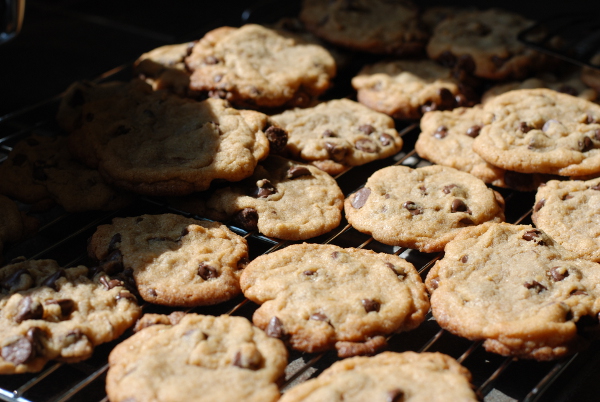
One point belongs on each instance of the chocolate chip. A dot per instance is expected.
(558, 274)
(567, 197)
(447, 59)
(413, 208)
(360, 197)
(50, 281)
(367, 129)
(395, 395)
(184, 232)
(441, 132)
(66, 306)
(211, 60)
(112, 245)
(448, 189)
(539, 205)
(466, 221)
(586, 144)
(207, 272)
(152, 292)
(263, 189)
(247, 219)
(275, 328)
(218, 93)
(337, 152)
(370, 305)
(459, 205)
(335, 254)
(309, 273)
(77, 99)
(28, 309)
(531, 235)
(597, 134)
(277, 137)
(464, 259)
(319, 317)
(126, 295)
(242, 263)
(14, 279)
(524, 127)
(18, 352)
(538, 287)
(328, 134)
(112, 263)
(239, 361)
(447, 100)
(19, 160)
(596, 187)
(434, 283)
(109, 284)
(473, 131)
(297, 171)
(590, 118)
(387, 139)
(466, 64)
(578, 292)
(366, 145)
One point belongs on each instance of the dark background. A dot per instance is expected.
(67, 40)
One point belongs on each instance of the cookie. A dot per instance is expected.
(569, 83)
(198, 358)
(257, 67)
(568, 211)
(176, 261)
(446, 139)
(53, 313)
(389, 376)
(541, 131)
(283, 199)
(164, 68)
(339, 133)
(14, 224)
(405, 89)
(41, 168)
(156, 143)
(321, 296)
(379, 26)
(421, 208)
(517, 289)
(489, 39)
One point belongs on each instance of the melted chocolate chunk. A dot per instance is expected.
(336, 152)
(367, 129)
(531, 235)
(239, 361)
(309, 273)
(126, 295)
(448, 189)
(395, 395)
(328, 134)
(278, 139)
(441, 132)
(590, 118)
(538, 287)
(50, 281)
(360, 197)
(275, 328)
(413, 208)
(464, 259)
(19, 352)
(524, 127)
(113, 242)
(263, 189)
(207, 272)
(14, 279)
(297, 171)
(539, 205)
(434, 283)
(366, 145)
(578, 292)
(109, 284)
(247, 219)
(447, 100)
(387, 139)
(370, 305)
(586, 144)
(66, 306)
(558, 274)
(319, 317)
(112, 263)
(459, 205)
(474, 131)
(28, 309)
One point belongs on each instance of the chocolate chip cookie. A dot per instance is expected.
(389, 376)
(541, 131)
(421, 208)
(41, 169)
(338, 134)
(318, 297)
(283, 199)
(53, 313)
(517, 289)
(405, 89)
(569, 211)
(176, 261)
(164, 68)
(157, 143)
(197, 358)
(257, 67)
(488, 38)
(380, 26)
(446, 138)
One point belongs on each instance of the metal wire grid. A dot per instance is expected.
(63, 237)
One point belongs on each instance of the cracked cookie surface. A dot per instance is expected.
(421, 208)
(52, 313)
(197, 358)
(320, 297)
(517, 289)
(176, 261)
